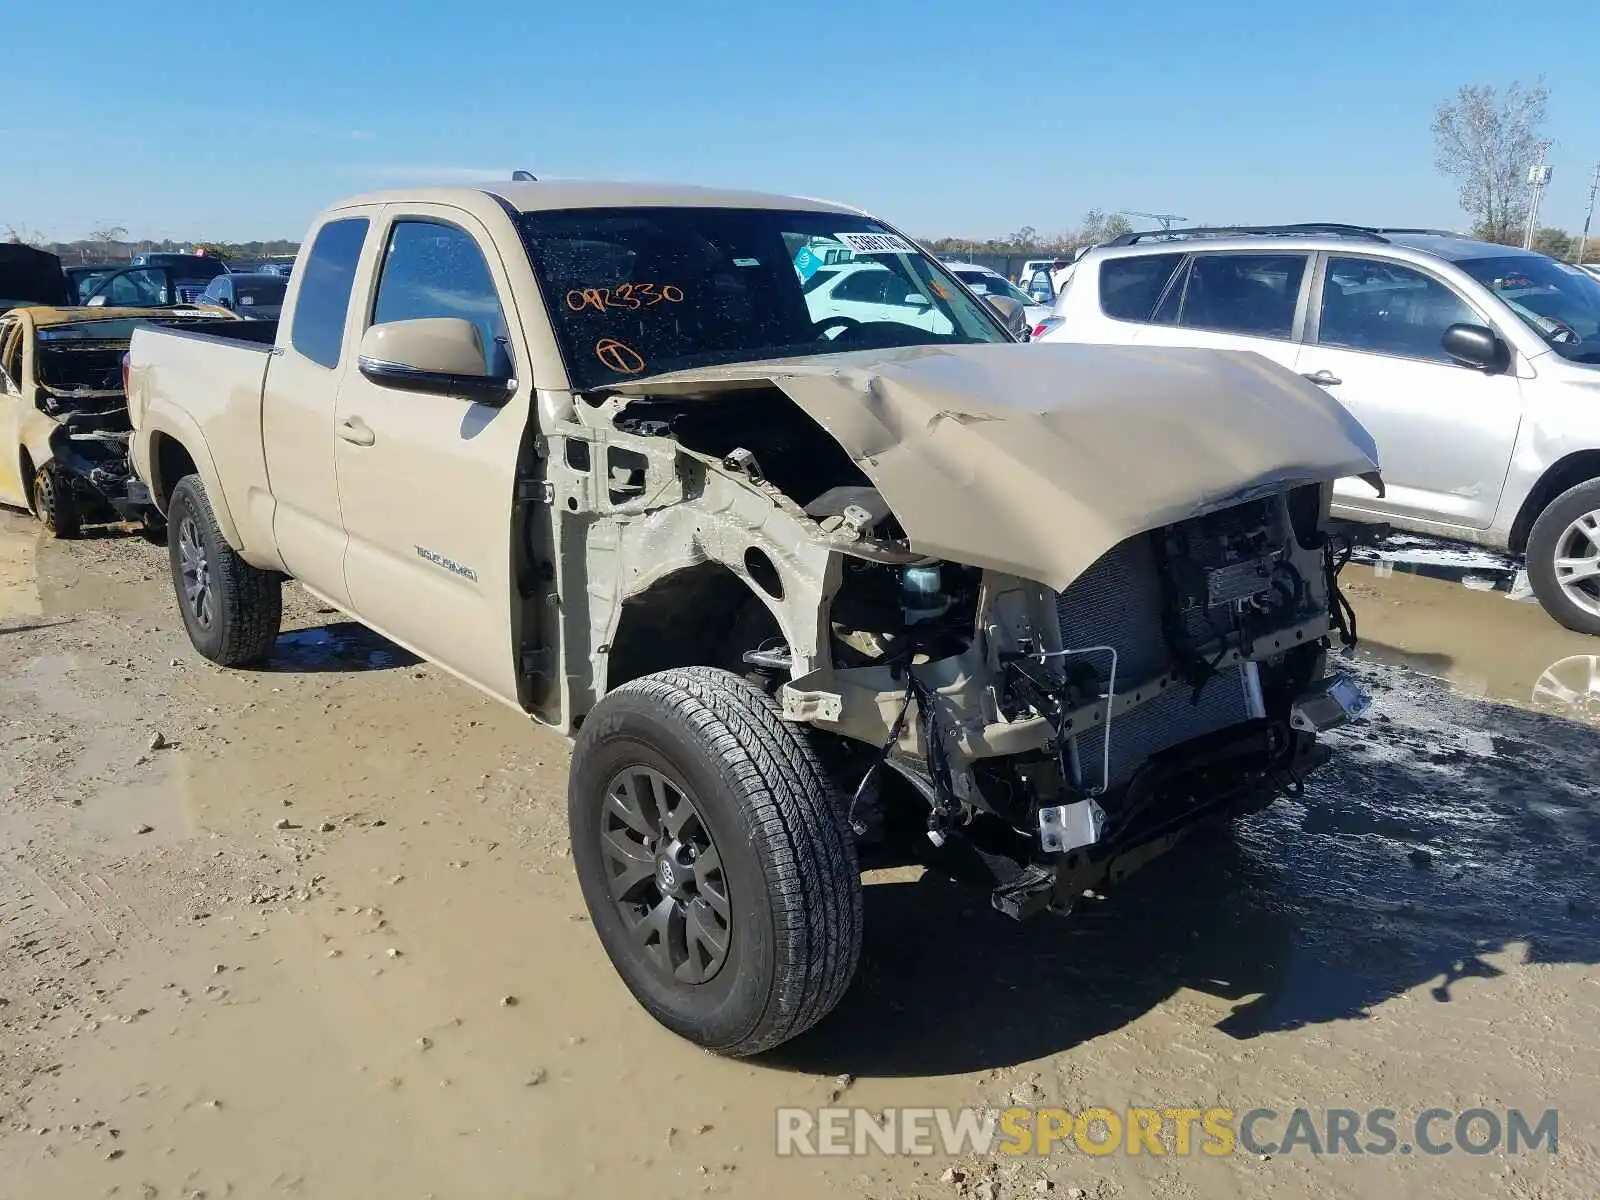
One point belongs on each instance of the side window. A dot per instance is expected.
(435, 270)
(866, 287)
(324, 299)
(1252, 294)
(1130, 287)
(217, 289)
(1385, 308)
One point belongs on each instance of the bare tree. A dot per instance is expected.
(21, 235)
(105, 238)
(1486, 142)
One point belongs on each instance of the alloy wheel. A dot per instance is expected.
(196, 573)
(665, 875)
(1577, 562)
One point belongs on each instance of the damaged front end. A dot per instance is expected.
(88, 444)
(1044, 611)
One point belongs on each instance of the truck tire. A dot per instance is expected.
(231, 609)
(54, 504)
(717, 870)
(1568, 530)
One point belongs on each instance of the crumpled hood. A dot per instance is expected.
(1037, 459)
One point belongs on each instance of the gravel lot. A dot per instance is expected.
(312, 931)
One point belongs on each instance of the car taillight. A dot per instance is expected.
(1045, 326)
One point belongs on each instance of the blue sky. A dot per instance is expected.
(235, 121)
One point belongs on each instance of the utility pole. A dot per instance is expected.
(1594, 186)
(1538, 180)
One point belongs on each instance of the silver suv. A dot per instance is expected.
(1475, 366)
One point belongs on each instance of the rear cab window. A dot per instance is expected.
(323, 301)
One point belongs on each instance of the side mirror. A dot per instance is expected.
(1476, 346)
(917, 300)
(440, 355)
(1009, 310)
(96, 301)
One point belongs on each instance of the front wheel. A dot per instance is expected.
(232, 610)
(54, 502)
(1564, 558)
(716, 868)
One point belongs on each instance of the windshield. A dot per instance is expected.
(987, 283)
(1559, 303)
(635, 291)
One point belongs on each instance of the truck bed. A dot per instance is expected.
(215, 375)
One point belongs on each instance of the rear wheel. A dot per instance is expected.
(1564, 558)
(232, 610)
(718, 873)
(54, 504)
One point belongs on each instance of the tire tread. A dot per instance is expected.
(807, 852)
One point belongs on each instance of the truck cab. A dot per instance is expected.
(808, 588)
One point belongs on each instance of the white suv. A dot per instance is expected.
(1475, 366)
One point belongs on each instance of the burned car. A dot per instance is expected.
(64, 413)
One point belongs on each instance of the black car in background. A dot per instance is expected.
(257, 296)
(82, 278)
(29, 276)
(190, 273)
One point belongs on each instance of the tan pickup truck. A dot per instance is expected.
(816, 583)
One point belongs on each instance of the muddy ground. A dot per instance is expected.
(325, 939)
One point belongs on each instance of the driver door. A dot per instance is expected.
(427, 481)
(135, 287)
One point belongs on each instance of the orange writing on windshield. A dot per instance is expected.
(629, 296)
(618, 356)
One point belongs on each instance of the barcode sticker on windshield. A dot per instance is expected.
(875, 243)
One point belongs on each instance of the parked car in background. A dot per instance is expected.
(792, 578)
(30, 276)
(276, 266)
(986, 282)
(1475, 366)
(140, 287)
(82, 278)
(64, 413)
(255, 297)
(1030, 268)
(189, 272)
(858, 293)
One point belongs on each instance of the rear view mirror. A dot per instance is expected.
(1476, 346)
(440, 355)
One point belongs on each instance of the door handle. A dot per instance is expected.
(1322, 378)
(357, 432)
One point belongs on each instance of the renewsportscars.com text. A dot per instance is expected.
(1213, 1132)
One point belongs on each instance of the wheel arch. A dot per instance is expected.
(1579, 467)
(175, 452)
(684, 619)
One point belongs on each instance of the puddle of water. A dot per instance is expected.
(343, 646)
(1481, 641)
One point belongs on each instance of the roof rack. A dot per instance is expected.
(1362, 233)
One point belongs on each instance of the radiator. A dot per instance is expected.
(1117, 602)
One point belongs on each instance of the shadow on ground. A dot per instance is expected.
(339, 646)
(1444, 831)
